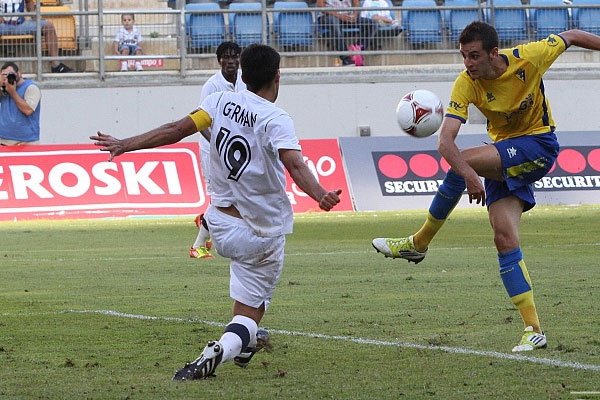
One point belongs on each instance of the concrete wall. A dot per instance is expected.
(324, 102)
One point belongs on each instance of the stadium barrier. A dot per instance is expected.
(375, 173)
(185, 38)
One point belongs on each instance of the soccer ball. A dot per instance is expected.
(420, 113)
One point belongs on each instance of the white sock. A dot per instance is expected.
(203, 236)
(239, 327)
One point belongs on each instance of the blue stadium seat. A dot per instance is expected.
(246, 27)
(456, 20)
(587, 19)
(295, 28)
(545, 21)
(422, 26)
(511, 24)
(204, 30)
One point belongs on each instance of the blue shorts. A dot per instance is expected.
(27, 27)
(525, 159)
(132, 48)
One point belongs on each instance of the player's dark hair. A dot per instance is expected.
(259, 66)
(226, 46)
(478, 30)
(10, 64)
(130, 14)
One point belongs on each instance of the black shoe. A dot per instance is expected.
(204, 366)
(262, 341)
(347, 61)
(61, 68)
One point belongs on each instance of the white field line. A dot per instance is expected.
(375, 342)
(303, 254)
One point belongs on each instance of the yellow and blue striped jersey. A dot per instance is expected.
(515, 103)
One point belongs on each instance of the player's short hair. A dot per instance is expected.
(10, 64)
(259, 65)
(226, 46)
(478, 30)
(130, 14)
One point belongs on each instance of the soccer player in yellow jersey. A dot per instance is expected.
(507, 87)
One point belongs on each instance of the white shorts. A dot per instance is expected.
(256, 262)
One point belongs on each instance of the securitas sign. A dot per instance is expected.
(576, 168)
(77, 181)
(410, 173)
(402, 173)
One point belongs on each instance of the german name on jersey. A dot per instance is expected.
(245, 171)
(515, 103)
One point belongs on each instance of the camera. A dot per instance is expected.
(11, 78)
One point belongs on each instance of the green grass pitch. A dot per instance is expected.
(108, 309)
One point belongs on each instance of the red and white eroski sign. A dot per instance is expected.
(324, 159)
(77, 181)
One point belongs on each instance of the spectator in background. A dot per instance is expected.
(382, 17)
(129, 41)
(19, 108)
(18, 25)
(333, 21)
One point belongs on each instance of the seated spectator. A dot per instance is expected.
(334, 21)
(383, 17)
(19, 108)
(129, 41)
(18, 25)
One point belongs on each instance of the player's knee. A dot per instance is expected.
(505, 241)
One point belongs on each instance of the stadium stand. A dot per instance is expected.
(423, 26)
(293, 28)
(204, 30)
(246, 27)
(388, 30)
(64, 25)
(587, 19)
(545, 21)
(511, 24)
(456, 20)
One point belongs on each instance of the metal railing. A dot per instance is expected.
(422, 34)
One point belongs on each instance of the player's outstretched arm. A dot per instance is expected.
(293, 162)
(582, 39)
(169, 133)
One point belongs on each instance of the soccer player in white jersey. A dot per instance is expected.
(507, 87)
(228, 79)
(252, 141)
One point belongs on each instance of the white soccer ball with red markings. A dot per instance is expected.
(420, 113)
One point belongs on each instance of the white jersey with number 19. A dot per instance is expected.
(245, 171)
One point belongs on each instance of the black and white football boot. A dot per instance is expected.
(262, 341)
(204, 366)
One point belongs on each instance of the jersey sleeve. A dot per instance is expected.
(542, 53)
(282, 134)
(460, 98)
(118, 36)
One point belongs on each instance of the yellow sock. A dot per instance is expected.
(427, 232)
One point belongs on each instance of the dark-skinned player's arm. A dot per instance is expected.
(300, 173)
(170, 133)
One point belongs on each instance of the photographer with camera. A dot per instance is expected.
(19, 108)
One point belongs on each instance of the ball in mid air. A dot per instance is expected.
(420, 113)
